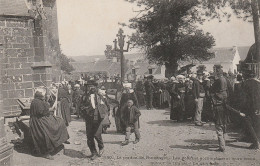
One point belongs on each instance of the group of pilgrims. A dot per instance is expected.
(199, 97)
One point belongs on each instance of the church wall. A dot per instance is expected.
(17, 55)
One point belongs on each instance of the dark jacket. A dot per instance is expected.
(149, 87)
(197, 88)
(88, 111)
(131, 116)
(220, 89)
(219, 99)
(251, 88)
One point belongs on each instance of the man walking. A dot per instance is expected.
(94, 113)
(131, 120)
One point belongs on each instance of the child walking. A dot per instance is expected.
(130, 117)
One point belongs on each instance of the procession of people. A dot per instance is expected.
(199, 97)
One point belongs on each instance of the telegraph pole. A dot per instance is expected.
(121, 43)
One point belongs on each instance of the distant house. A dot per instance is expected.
(227, 57)
(143, 68)
(109, 67)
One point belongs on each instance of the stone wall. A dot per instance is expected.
(17, 55)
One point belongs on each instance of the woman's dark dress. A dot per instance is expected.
(48, 132)
(63, 97)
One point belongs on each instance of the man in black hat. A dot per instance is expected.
(251, 107)
(149, 89)
(93, 115)
(219, 98)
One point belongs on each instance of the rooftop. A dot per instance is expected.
(97, 66)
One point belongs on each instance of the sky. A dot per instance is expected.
(87, 26)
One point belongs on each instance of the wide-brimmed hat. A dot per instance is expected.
(219, 71)
(200, 72)
(150, 77)
(91, 82)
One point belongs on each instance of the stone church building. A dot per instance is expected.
(29, 48)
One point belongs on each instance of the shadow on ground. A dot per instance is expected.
(210, 145)
(74, 153)
(109, 132)
(114, 142)
(113, 132)
(22, 147)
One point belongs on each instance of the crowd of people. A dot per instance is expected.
(199, 97)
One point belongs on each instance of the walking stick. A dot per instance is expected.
(234, 110)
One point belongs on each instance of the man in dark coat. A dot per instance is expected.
(219, 98)
(48, 132)
(131, 119)
(149, 90)
(93, 112)
(139, 89)
(251, 107)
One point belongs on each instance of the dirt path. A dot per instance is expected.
(163, 142)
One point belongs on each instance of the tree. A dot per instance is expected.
(65, 64)
(248, 10)
(110, 53)
(166, 31)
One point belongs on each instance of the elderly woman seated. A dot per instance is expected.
(48, 132)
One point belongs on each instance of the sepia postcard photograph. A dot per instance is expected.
(129, 82)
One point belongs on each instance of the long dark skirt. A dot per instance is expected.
(178, 109)
(189, 106)
(64, 107)
(48, 133)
